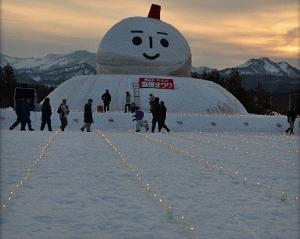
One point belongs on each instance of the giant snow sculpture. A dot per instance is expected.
(145, 55)
(144, 45)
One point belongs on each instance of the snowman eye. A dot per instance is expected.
(164, 42)
(137, 41)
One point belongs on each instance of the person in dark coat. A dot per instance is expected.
(162, 117)
(46, 114)
(88, 116)
(291, 117)
(106, 98)
(25, 115)
(155, 113)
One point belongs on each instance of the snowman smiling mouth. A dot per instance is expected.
(151, 57)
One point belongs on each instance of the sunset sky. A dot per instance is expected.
(221, 33)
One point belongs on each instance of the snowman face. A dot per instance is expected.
(143, 42)
(138, 40)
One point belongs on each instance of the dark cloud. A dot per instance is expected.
(292, 35)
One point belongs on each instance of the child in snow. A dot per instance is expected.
(63, 111)
(138, 117)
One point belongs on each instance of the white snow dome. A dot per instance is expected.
(144, 45)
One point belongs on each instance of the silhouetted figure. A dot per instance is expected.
(162, 117)
(106, 98)
(88, 116)
(46, 114)
(127, 102)
(155, 113)
(63, 111)
(291, 117)
(25, 114)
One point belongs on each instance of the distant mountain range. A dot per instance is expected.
(54, 69)
(278, 77)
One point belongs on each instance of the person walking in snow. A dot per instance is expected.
(155, 113)
(127, 102)
(106, 98)
(88, 116)
(139, 118)
(63, 111)
(25, 114)
(162, 117)
(291, 117)
(46, 114)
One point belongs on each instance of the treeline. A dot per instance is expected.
(8, 83)
(256, 100)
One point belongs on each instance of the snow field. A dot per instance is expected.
(83, 192)
(226, 182)
(254, 193)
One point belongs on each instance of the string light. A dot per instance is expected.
(147, 188)
(284, 196)
(249, 140)
(260, 187)
(248, 154)
(28, 172)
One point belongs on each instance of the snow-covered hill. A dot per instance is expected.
(189, 96)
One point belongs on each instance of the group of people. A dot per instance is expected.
(159, 113)
(157, 109)
(23, 114)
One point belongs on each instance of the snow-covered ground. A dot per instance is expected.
(212, 176)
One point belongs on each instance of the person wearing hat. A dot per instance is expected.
(151, 101)
(88, 116)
